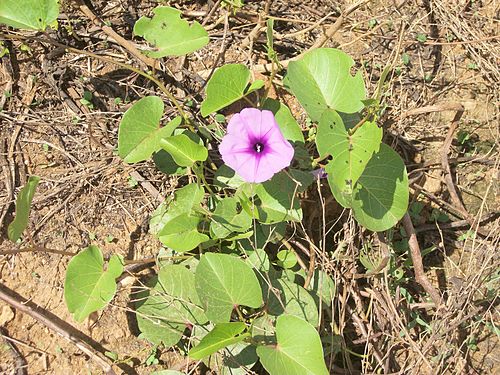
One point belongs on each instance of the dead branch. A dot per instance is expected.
(41, 316)
(418, 266)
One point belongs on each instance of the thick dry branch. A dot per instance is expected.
(42, 316)
(115, 36)
(416, 257)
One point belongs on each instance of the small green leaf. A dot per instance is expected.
(298, 350)
(287, 123)
(88, 286)
(278, 199)
(23, 207)
(227, 219)
(171, 35)
(405, 58)
(322, 286)
(139, 134)
(181, 234)
(183, 201)
(226, 86)
(222, 335)
(350, 153)
(224, 282)
(421, 37)
(184, 151)
(165, 163)
(29, 14)
(322, 80)
(380, 198)
(286, 259)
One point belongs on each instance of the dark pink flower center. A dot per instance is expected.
(258, 147)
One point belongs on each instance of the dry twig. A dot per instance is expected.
(41, 316)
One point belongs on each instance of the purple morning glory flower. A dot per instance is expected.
(254, 146)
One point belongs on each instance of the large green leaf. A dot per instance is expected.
(322, 80)
(140, 133)
(380, 198)
(224, 282)
(298, 350)
(153, 317)
(350, 153)
(171, 35)
(181, 234)
(226, 86)
(184, 151)
(278, 200)
(23, 208)
(88, 286)
(288, 125)
(227, 218)
(29, 14)
(164, 310)
(286, 297)
(222, 335)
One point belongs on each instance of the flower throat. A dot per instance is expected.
(258, 147)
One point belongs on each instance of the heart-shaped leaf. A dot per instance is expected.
(170, 304)
(278, 198)
(88, 286)
(140, 133)
(298, 350)
(224, 282)
(226, 86)
(181, 234)
(350, 153)
(29, 14)
(171, 35)
(380, 198)
(227, 219)
(184, 151)
(23, 208)
(183, 201)
(288, 125)
(322, 80)
(222, 335)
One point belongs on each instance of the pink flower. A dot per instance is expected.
(254, 146)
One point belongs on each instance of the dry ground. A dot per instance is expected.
(87, 194)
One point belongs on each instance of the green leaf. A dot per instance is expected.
(223, 282)
(29, 14)
(322, 80)
(227, 219)
(322, 286)
(179, 294)
(380, 198)
(350, 153)
(181, 234)
(298, 350)
(23, 207)
(278, 201)
(226, 86)
(288, 125)
(171, 303)
(153, 319)
(238, 358)
(88, 286)
(171, 35)
(222, 335)
(184, 151)
(139, 134)
(286, 297)
(166, 164)
(183, 201)
(286, 259)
